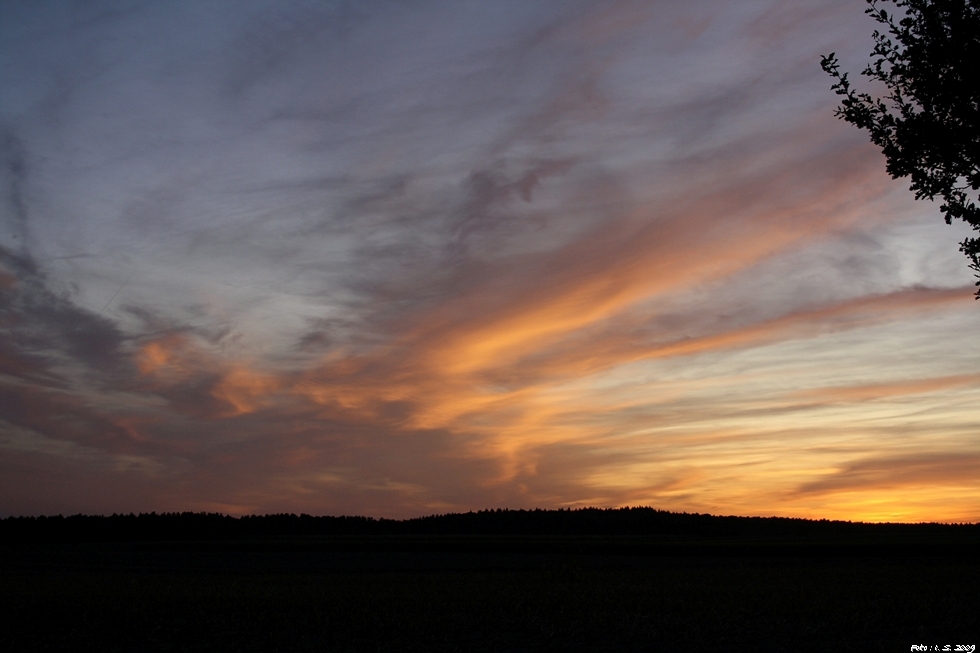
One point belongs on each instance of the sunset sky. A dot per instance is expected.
(404, 258)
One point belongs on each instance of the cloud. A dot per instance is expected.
(351, 258)
(12, 175)
(922, 469)
(871, 392)
(44, 331)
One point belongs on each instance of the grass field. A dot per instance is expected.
(290, 597)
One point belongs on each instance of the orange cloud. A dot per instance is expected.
(585, 357)
(534, 303)
(925, 468)
(176, 360)
(506, 390)
(170, 354)
(244, 390)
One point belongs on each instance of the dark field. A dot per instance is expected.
(484, 592)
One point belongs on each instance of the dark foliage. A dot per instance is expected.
(928, 125)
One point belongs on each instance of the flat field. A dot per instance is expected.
(478, 593)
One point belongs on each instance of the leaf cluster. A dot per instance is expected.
(927, 54)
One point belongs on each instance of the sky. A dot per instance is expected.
(405, 258)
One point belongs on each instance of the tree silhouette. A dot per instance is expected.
(927, 54)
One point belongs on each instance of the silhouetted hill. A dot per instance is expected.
(631, 579)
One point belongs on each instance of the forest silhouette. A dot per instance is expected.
(635, 530)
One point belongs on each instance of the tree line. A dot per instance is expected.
(584, 522)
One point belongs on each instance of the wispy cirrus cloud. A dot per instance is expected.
(921, 469)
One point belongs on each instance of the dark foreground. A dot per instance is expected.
(492, 592)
